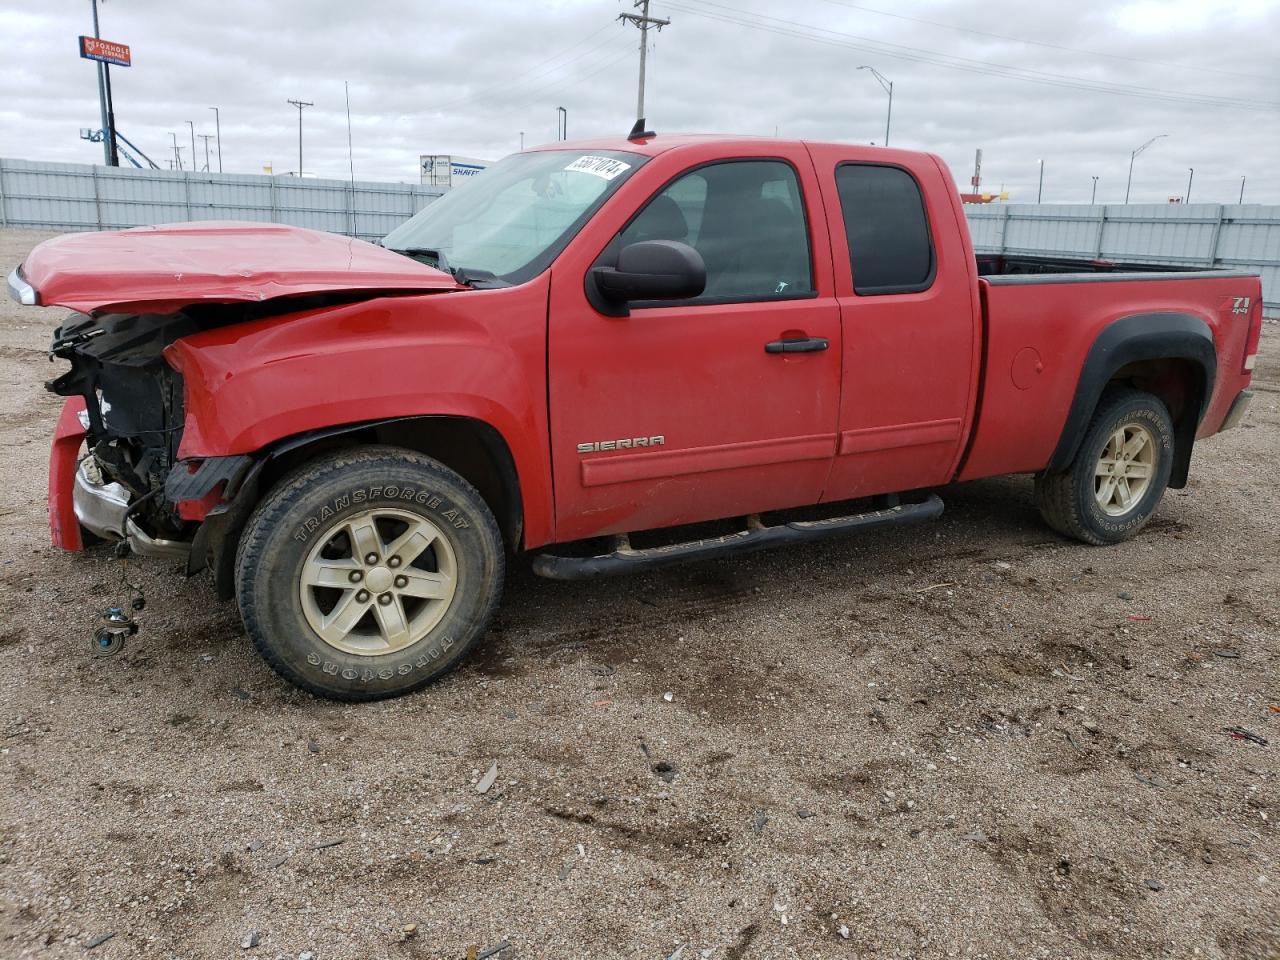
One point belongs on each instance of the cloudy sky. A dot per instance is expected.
(1078, 84)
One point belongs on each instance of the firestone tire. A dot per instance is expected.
(369, 574)
(1119, 474)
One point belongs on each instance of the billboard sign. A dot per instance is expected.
(92, 48)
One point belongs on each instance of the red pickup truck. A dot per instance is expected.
(614, 353)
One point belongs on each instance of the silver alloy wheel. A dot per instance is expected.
(378, 581)
(1125, 469)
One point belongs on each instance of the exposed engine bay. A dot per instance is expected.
(133, 411)
(134, 415)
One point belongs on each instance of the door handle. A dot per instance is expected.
(797, 345)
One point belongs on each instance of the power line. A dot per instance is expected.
(902, 52)
(537, 68)
(1042, 43)
(554, 84)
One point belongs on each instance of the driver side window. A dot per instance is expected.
(746, 218)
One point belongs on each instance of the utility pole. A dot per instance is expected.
(177, 151)
(562, 123)
(1040, 191)
(1242, 189)
(522, 140)
(217, 124)
(643, 21)
(193, 143)
(206, 137)
(300, 104)
(1133, 156)
(888, 88)
(1190, 177)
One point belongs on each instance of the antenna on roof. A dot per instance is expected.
(638, 132)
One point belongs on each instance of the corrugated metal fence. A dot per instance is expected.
(1191, 235)
(76, 196)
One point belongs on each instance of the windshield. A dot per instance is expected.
(513, 219)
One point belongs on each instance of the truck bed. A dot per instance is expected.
(1003, 268)
(1040, 324)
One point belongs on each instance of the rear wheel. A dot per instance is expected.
(1119, 474)
(369, 574)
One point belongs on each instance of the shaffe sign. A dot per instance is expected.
(91, 48)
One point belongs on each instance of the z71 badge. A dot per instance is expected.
(624, 444)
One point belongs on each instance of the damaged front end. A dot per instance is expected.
(125, 405)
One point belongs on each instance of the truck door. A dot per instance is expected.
(908, 309)
(683, 412)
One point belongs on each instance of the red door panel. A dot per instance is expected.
(676, 413)
(911, 357)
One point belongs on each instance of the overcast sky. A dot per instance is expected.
(436, 77)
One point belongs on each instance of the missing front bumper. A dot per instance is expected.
(102, 508)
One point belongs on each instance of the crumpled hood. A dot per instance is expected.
(162, 268)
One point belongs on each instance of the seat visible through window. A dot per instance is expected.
(745, 218)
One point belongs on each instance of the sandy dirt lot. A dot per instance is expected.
(969, 739)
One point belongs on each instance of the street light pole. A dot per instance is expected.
(177, 151)
(1133, 156)
(193, 143)
(562, 122)
(1190, 177)
(300, 104)
(217, 123)
(1040, 190)
(888, 88)
(1093, 197)
(521, 139)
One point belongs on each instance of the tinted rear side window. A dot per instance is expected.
(889, 246)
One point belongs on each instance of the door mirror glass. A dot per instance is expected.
(652, 270)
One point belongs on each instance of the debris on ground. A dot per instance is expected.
(326, 844)
(1155, 885)
(250, 940)
(1240, 733)
(489, 777)
(668, 696)
(757, 825)
(408, 931)
(804, 813)
(665, 770)
(1227, 654)
(493, 951)
(99, 940)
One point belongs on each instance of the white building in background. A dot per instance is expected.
(448, 170)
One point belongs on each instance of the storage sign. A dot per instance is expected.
(91, 48)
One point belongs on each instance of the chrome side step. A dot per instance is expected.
(625, 559)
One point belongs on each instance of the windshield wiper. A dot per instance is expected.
(414, 253)
(467, 276)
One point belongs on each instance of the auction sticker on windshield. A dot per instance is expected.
(603, 167)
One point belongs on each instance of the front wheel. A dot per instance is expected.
(369, 574)
(1119, 474)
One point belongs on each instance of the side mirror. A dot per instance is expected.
(652, 270)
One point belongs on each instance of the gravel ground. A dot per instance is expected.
(968, 739)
